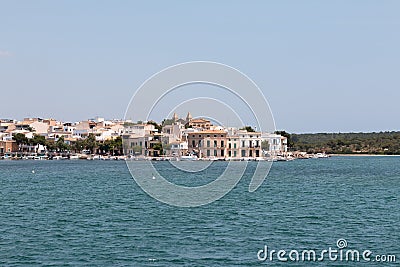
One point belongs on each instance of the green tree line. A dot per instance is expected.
(112, 146)
(384, 143)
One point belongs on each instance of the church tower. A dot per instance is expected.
(175, 117)
(188, 117)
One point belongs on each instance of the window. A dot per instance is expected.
(215, 143)
(208, 153)
(215, 152)
(234, 145)
(243, 153)
(208, 135)
(208, 143)
(215, 135)
(230, 145)
(222, 143)
(222, 153)
(193, 143)
(243, 143)
(234, 153)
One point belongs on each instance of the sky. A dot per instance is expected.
(323, 66)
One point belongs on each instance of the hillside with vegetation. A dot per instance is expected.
(384, 143)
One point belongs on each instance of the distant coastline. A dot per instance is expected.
(374, 143)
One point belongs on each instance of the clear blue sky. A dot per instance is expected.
(323, 66)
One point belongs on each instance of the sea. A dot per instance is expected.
(93, 213)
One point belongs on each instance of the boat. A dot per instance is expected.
(74, 157)
(281, 158)
(188, 158)
(82, 156)
(321, 156)
(40, 157)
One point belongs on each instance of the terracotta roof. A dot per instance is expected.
(209, 132)
(198, 121)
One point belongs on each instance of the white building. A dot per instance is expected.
(40, 127)
(277, 144)
(177, 149)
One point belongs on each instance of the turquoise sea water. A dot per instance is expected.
(92, 213)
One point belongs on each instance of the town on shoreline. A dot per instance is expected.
(174, 139)
(178, 139)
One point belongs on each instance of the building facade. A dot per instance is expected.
(206, 144)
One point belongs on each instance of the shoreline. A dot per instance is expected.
(362, 155)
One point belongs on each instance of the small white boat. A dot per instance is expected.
(188, 158)
(40, 158)
(321, 156)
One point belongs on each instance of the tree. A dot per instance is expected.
(117, 144)
(104, 147)
(126, 124)
(50, 145)
(158, 147)
(265, 145)
(20, 138)
(38, 140)
(157, 126)
(167, 122)
(91, 143)
(247, 128)
(61, 145)
(78, 145)
(111, 145)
